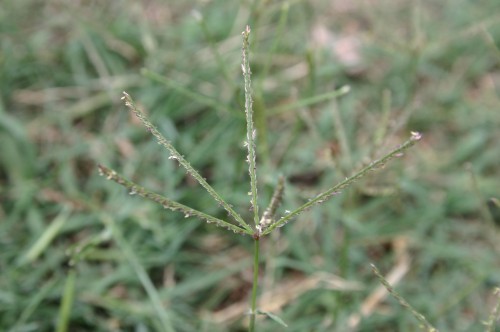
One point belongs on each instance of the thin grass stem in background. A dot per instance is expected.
(309, 101)
(421, 318)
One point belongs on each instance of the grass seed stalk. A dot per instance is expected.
(262, 225)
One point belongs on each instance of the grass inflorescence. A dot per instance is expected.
(265, 224)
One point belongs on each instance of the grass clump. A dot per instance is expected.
(262, 224)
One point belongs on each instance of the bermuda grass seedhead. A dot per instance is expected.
(262, 224)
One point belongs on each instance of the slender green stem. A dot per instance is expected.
(321, 198)
(255, 286)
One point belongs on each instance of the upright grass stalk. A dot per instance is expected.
(252, 169)
(267, 222)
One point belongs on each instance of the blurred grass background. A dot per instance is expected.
(429, 219)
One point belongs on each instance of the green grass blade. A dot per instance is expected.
(141, 274)
(67, 302)
(274, 317)
(46, 238)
